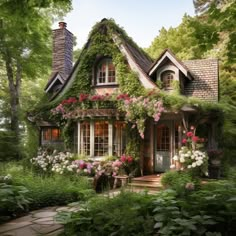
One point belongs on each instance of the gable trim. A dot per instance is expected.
(57, 77)
(167, 54)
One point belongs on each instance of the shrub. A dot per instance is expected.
(126, 214)
(181, 182)
(13, 198)
(209, 211)
(8, 149)
(47, 190)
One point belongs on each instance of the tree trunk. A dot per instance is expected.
(14, 89)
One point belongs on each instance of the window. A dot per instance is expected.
(119, 138)
(163, 138)
(167, 78)
(51, 134)
(85, 138)
(106, 73)
(102, 138)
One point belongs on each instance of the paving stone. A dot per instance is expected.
(62, 209)
(23, 219)
(44, 214)
(45, 229)
(46, 221)
(11, 226)
(25, 231)
(55, 233)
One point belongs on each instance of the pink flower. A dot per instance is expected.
(129, 159)
(83, 97)
(123, 158)
(189, 134)
(142, 135)
(192, 127)
(184, 140)
(195, 138)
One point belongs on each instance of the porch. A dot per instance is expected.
(152, 183)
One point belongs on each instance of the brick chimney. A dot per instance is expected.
(62, 60)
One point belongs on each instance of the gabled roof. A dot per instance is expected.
(168, 55)
(206, 79)
(139, 57)
(56, 76)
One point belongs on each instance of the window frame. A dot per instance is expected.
(169, 84)
(110, 142)
(106, 62)
(48, 131)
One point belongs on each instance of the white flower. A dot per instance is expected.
(175, 158)
(182, 160)
(194, 164)
(172, 166)
(189, 166)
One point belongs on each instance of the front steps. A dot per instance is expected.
(151, 183)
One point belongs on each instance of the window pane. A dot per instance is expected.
(167, 78)
(85, 138)
(106, 72)
(55, 134)
(102, 73)
(111, 73)
(163, 138)
(46, 134)
(119, 138)
(101, 138)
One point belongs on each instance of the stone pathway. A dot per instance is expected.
(41, 222)
(36, 223)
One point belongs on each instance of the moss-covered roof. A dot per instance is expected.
(109, 29)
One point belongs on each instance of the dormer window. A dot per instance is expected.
(167, 78)
(106, 73)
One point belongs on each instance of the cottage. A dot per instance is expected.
(93, 99)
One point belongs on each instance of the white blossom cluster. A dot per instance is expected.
(190, 158)
(5, 178)
(58, 162)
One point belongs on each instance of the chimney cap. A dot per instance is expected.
(62, 25)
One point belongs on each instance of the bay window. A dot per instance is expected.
(101, 138)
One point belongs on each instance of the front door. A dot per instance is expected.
(162, 147)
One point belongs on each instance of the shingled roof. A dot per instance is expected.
(142, 60)
(206, 79)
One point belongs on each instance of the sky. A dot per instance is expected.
(141, 19)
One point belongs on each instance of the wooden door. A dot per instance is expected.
(162, 147)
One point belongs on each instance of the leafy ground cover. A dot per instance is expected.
(208, 210)
(22, 190)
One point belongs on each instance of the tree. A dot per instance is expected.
(25, 46)
(188, 41)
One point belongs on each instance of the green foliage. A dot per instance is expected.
(101, 44)
(209, 211)
(172, 219)
(180, 181)
(8, 148)
(125, 214)
(13, 198)
(47, 190)
(188, 41)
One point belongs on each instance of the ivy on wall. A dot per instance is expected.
(101, 44)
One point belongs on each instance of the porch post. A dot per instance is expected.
(78, 135)
(91, 138)
(110, 138)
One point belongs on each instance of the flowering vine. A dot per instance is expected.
(136, 109)
(190, 157)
